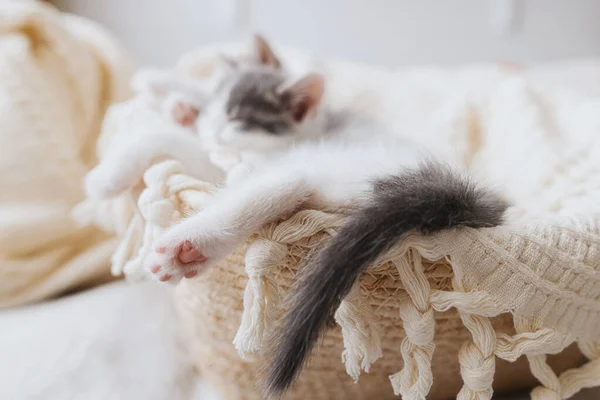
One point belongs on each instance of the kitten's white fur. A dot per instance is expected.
(309, 167)
(124, 165)
(330, 174)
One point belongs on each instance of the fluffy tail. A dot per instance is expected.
(427, 199)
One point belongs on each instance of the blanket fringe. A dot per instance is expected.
(170, 193)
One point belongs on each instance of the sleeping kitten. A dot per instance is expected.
(379, 178)
(237, 102)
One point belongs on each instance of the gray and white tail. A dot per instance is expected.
(427, 199)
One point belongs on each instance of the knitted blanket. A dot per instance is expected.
(531, 131)
(58, 74)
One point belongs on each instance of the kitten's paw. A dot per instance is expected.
(184, 253)
(174, 263)
(185, 114)
(101, 184)
(184, 111)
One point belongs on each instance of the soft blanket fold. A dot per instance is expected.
(58, 74)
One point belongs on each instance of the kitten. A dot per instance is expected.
(235, 103)
(378, 178)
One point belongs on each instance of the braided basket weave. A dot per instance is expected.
(211, 308)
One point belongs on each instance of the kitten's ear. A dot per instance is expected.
(264, 54)
(303, 96)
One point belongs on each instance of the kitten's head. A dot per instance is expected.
(258, 107)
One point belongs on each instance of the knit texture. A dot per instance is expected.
(456, 303)
(58, 74)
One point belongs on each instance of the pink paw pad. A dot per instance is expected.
(185, 114)
(185, 259)
(190, 273)
(189, 254)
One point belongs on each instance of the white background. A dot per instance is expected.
(390, 32)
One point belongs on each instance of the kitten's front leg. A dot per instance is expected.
(115, 174)
(234, 214)
(125, 165)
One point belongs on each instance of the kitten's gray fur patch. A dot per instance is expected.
(426, 199)
(254, 101)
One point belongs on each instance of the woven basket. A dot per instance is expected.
(410, 327)
(211, 308)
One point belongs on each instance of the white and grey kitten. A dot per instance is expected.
(390, 186)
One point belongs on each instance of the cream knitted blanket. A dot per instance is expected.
(58, 73)
(534, 132)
